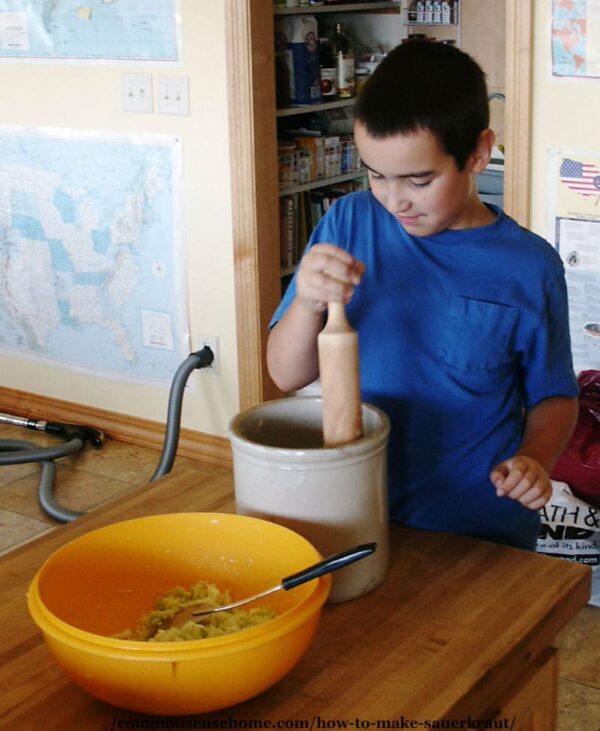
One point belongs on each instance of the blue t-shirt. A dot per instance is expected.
(459, 332)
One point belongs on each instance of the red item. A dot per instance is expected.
(579, 464)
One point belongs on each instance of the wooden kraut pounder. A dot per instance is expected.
(340, 379)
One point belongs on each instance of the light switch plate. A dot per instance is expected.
(136, 92)
(172, 95)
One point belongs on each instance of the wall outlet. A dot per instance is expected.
(172, 95)
(136, 92)
(213, 344)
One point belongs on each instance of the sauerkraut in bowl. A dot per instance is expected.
(155, 626)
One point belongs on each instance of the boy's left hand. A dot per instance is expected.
(522, 478)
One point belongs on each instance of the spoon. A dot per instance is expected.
(332, 563)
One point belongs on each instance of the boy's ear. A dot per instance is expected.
(483, 152)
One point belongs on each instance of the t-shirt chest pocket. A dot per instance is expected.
(479, 335)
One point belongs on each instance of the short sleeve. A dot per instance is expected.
(547, 362)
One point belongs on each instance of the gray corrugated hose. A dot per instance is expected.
(15, 451)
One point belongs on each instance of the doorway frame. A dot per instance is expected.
(518, 114)
(253, 150)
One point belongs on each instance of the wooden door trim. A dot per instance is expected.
(254, 186)
(518, 90)
(249, 40)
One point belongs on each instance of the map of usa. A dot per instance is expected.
(90, 251)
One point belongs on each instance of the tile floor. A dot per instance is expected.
(83, 481)
(86, 480)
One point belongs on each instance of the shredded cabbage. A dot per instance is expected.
(155, 625)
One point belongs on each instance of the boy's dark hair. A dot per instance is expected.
(427, 85)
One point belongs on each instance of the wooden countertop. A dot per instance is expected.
(454, 625)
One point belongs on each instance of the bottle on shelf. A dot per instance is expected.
(446, 12)
(411, 13)
(428, 14)
(344, 58)
(328, 69)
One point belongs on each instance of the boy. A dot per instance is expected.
(461, 314)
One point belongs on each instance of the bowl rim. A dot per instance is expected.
(50, 624)
(284, 623)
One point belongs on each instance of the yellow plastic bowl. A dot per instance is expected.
(100, 583)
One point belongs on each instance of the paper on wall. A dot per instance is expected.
(574, 229)
(575, 39)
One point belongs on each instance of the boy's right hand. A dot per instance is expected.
(327, 274)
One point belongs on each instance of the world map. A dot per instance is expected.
(89, 29)
(91, 268)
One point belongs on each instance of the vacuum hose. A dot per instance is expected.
(201, 359)
(14, 451)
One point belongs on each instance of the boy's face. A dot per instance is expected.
(420, 184)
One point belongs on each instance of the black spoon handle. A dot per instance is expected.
(332, 563)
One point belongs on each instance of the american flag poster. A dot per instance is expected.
(574, 178)
(574, 229)
(582, 177)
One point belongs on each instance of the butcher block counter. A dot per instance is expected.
(461, 632)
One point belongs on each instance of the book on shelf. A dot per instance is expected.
(300, 212)
(287, 235)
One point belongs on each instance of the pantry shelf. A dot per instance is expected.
(318, 161)
(324, 182)
(339, 8)
(310, 108)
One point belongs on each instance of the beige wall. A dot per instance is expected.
(565, 115)
(88, 97)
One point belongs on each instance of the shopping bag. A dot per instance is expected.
(570, 530)
(579, 464)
